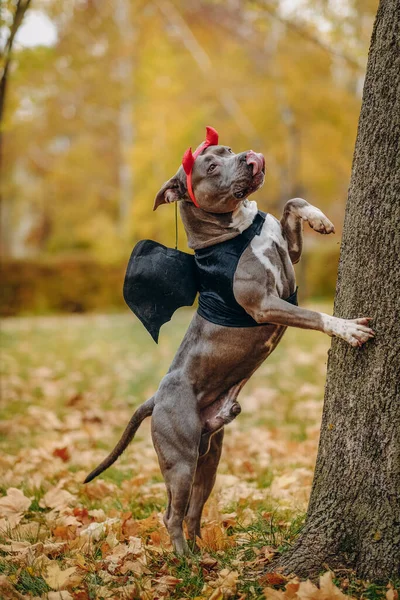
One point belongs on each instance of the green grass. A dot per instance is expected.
(70, 384)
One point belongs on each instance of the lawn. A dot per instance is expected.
(69, 386)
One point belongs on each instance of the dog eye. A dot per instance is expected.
(240, 194)
(230, 150)
(211, 168)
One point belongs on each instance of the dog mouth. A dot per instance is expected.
(252, 186)
(252, 180)
(257, 161)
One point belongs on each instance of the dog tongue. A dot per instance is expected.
(255, 159)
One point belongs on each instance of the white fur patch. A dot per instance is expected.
(270, 233)
(244, 215)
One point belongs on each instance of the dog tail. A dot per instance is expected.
(144, 410)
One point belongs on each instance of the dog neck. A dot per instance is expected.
(205, 229)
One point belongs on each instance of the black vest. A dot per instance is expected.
(216, 267)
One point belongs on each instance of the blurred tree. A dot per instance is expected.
(129, 85)
(11, 17)
(353, 515)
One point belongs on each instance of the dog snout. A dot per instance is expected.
(256, 160)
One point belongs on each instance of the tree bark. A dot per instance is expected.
(353, 518)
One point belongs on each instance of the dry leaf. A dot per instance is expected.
(328, 589)
(308, 591)
(214, 538)
(100, 489)
(63, 532)
(208, 562)
(392, 594)
(227, 582)
(58, 499)
(58, 579)
(135, 566)
(62, 453)
(15, 547)
(273, 579)
(217, 595)
(291, 589)
(7, 590)
(62, 595)
(96, 530)
(13, 506)
(168, 580)
(272, 594)
(160, 538)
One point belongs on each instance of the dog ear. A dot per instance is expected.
(172, 191)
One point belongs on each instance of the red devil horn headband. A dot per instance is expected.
(189, 158)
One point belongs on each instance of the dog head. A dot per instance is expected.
(221, 180)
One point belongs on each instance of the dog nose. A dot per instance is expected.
(256, 160)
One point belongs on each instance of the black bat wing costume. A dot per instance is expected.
(158, 281)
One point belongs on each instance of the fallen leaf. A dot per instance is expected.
(58, 499)
(208, 562)
(58, 579)
(168, 580)
(308, 591)
(96, 530)
(328, 589)
(137, 567)
(15, 547)
(13, 506)
(8, 591)
(272, 594)
(62, 453)
(62, 595)
(392, 594)
(64, 532)
(217, 595)
(100, 489)
(273, 579)
(213, 537)
(226, 582)
(291, 589)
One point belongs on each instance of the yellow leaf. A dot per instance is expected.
(56, 578)
(392, 594)
(328, 588)
(217, 595)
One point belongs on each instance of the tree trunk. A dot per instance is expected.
(20, 10)
(353, 518)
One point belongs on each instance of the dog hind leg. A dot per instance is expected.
(203, 484)
(176, 442)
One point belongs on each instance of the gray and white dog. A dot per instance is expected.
(198, 395)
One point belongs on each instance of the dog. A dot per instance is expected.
(240, 321)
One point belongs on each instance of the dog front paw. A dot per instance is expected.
(354, 331)
(317, 220)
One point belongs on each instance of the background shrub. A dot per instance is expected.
(78, 285)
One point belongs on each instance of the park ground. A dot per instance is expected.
(69, 386)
